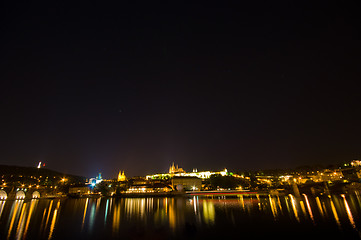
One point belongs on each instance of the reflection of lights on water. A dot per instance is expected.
(273, 206)
(294, 207)
(98, 205)
(106, 211)
(14, 212)
(20, 228)
(33, 205)
(195, 204)
(47, 218)
(279, 203)
(53, 221)
(43, 219)
(172, 213)
(84, 214)
(288, 207)
(2, 204)
(348, 211)
(92, 215)
(303, 208)
(135, 207)
(94, 208)
(172, 219)
(335, 212)
(242, 201)
(20, 217)
(319, 206)
(116, 217)
(309, 208)
(357, 193)
(166, 205)
(208, 212)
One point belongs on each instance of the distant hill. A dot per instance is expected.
(34, 175)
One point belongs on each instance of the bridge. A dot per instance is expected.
(20, 194)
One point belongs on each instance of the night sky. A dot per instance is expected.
(94, 87)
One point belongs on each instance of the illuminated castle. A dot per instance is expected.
(121, 176)
(173, 169)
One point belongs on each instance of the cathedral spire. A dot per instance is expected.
(121, 176)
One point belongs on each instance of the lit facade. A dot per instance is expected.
(356, 163)
(140, 189)
(96, 180)
(175, 171)
(121, 176)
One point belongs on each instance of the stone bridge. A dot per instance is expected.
(21, 194)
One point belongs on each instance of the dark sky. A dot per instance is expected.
(95, 87)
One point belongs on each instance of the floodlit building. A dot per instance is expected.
(96, 180)
(175, 171)
(356, 163)
(140, 189)
(149, 188)
(121, 176)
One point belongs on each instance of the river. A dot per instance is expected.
(195, 217)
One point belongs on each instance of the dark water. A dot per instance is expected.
(242, 217)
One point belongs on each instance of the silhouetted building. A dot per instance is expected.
(187, 183)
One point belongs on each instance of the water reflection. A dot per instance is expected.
(174, 217)
(54, 218)
(309, 208)
(19, 218)
(348, 211)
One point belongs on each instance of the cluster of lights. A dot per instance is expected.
(139, 190)
(195, 173)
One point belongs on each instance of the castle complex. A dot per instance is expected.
(175, 171)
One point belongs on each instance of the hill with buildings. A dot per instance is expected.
(37, 176)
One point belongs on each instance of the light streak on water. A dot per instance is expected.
(348, 211)
(33, 205)
(319, 206)
(294, 207)
(309, 208)
(273, 206)
(53, 221)
(13, 214)
(43, 219)
(335, 213)
(106, 212)
(84, 215)
(19, 230)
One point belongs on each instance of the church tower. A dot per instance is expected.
(175, 169)
(121, 176)
(172, 168)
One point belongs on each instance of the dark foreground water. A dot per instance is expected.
(242, 217)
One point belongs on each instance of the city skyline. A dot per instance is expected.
(176, 170)
(99, 88)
